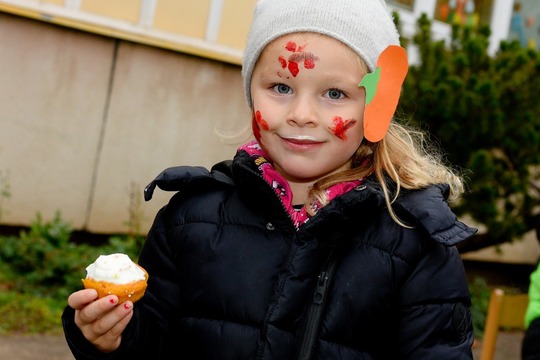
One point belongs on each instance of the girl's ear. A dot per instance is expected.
(383, 87)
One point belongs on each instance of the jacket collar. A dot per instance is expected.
(426, 209)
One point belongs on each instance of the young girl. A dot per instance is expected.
(329, 236)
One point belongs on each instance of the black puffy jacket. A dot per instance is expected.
(231, 278)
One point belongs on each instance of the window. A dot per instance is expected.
(407, 4)
(524, 25)
(465, 12)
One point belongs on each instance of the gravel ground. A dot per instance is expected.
(508, 346)
(46, 347)
(34, 347)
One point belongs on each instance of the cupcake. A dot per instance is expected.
(116, 274)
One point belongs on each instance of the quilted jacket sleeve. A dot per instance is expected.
(436, 321)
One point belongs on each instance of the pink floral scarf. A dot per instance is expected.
(282, 188)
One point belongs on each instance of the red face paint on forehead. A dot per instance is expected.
(341, 126)
(292, 47)
(309, 60)
(298, 56)
(293, 68)
(283, 62)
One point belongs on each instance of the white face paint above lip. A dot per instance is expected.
(300, 138)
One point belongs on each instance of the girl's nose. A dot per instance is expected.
(303, 112)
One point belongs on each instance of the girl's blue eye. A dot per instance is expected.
(335, 94)
(282, 88)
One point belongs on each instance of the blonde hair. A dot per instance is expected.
(405, 156)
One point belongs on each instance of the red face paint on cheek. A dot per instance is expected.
(341, 126)
(260, 121)
(257, 123)
(255, 128)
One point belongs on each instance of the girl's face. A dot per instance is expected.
(307, 106)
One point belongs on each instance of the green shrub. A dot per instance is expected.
(480, 293)
(483, 112)
(41, 267)
(28, 314)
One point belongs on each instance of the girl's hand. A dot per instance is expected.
(101, 321)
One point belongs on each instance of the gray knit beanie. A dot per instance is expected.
(366, 26)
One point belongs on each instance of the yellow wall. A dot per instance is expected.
(184, 17)
(127, 10)
(235, 22)
(57, 2)
(171, 24)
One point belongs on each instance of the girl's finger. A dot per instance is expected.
(81, 298)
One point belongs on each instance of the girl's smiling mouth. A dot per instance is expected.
(302, 142)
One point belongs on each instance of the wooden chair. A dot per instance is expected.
(505, 311)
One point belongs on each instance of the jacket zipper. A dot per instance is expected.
(315, 310)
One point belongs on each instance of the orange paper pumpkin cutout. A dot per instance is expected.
(383, 87)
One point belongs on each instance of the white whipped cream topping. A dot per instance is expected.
(114, 268)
